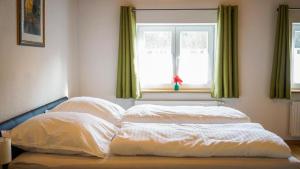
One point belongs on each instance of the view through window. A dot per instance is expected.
(168, 50)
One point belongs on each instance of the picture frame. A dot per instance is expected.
(31, 23)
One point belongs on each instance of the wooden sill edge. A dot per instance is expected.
(190, 91)
(172, 91)
(295, 90)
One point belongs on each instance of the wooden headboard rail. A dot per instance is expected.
(13, 122)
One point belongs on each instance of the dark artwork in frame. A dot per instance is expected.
(31, 22)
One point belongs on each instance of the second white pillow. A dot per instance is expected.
(98, 107)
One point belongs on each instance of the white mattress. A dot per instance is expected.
(50, 161)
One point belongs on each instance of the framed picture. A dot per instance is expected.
(31, 22)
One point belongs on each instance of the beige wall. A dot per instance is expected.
(98, 45)
(30, 76)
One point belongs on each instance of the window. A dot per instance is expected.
(296, 56)
(168, 50)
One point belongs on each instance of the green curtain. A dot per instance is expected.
(225, 83)
(127, 81)
(280, 81)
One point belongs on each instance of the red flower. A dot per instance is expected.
(177, 79)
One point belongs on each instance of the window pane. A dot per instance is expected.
(155, 58)
(194, 58)
(296, 59)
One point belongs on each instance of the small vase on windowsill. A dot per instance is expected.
(177, 82)
(176, 87)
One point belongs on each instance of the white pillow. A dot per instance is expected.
(184, 114)
(65, 133)
(101, 108)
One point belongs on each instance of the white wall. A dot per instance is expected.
(31, 76)
(98, 46)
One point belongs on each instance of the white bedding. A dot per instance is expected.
(101, 108)
(198, 140)
(184, 114)
(64, 133)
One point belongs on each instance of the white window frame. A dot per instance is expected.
(176, 29)
(211, 46)
(295, 28)
(142, 28)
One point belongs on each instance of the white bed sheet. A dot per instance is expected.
(198, 140)
(51, 161)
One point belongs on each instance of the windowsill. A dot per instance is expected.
(202, 90)
(295, 90)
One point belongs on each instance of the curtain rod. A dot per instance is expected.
(178, 9)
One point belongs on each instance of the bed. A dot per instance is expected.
(26, 160)
(46, 161)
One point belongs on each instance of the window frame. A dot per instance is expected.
(295, 28)
(175, 51)
(210, 28)
(142, 28)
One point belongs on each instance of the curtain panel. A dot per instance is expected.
(281, 78)
(127, 81)
(226, 82)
